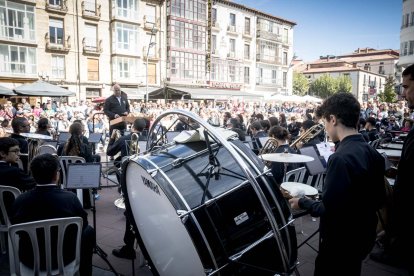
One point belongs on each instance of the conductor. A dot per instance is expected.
(115, 106)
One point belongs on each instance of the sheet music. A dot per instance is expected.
(324, 150)
(83, 176)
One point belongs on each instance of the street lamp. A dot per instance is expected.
(151, 44)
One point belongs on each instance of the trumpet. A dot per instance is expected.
(308, 135)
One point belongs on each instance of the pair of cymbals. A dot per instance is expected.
(286, 157)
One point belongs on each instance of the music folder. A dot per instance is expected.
(94, 137)
(83, 176)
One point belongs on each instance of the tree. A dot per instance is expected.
(324, 86)
(300, 84)
(344, 84)
(388, 95)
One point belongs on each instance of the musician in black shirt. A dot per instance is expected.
(115, 106)
(353, 192)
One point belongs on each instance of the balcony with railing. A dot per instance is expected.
(91, 10)
(58, 6)
(247, 33)
(150, 22)
(231, 55)
(268, 59)
(61, 45)
(215, 26)
(231, 30)
(125, 14)
(92, 48)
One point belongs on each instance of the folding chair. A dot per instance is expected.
(64, 161)
(45, 252)
(4, 219)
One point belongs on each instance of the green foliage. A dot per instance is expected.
(344, 84)
(388, 95)
(326, 85)
(300, 84)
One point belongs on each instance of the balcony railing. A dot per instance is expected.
(92, 49)
(231, 55)
(231, 29)
(215, 25)
(273, 60)
(61, 46)
(62, 8)
(91, 10)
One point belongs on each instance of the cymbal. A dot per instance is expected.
(36, 136)
(286, 157)
(297, 189)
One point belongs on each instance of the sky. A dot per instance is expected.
(335, 27)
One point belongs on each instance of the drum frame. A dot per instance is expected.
(236, 154)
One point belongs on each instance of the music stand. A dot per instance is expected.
(63, 137)
(88, 176)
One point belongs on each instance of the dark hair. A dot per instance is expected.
(18, 122)
(344, 106)
(273, 121)
(259, 116)
(140, 124)
(282, 117)
(73, 145)
(308, 124)
(240, 117)
(43, 123)
(227, 114)
(371, 120)
(265, 124)
(256, 125)
(5, 123)
(279, 132)
(6, 143)
(43, 168)
(234, 122)
(409, 71)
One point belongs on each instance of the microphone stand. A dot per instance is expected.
(97, 250)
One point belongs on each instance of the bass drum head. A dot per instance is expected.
(166, 241)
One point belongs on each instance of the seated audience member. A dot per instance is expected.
(48, 201)
(4, 128)
(43, 126)
(392, 124)
(408, 125)
(281, 135)
(362, 130)
(234, 125)
(257, 132)
(371, 129)
(21, 125)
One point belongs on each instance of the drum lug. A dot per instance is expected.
(182, 215)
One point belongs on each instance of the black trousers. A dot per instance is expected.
(87, 245)
(120, 126)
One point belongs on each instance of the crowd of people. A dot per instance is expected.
(354, 166)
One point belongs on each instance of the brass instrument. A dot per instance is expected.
(308, 135)
(116, 134)
(270, 146)
(133, 144)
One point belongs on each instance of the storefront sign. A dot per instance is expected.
(225, 85)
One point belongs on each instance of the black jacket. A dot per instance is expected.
(112, 106)
(24, 148)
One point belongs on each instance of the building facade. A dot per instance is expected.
(407, 34)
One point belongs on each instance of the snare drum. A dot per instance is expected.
(188, 223)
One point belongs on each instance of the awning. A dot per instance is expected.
(139, 93)
(43, 89)
(215, 94)
(4, 91)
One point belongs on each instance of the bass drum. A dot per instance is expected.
(193, 218)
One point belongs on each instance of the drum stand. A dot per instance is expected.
(97, 250)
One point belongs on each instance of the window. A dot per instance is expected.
(185, 65)
(17, 60)
(58, 67)
(247, 25)
(55, 2)
(213, 16)
(246, 51)
(213, 71)
(213, 43)
(150, 12)
(126, 8)
(232, 20)
(93, 92)
(284, 79)
(187, 35)
(93, 69)
(17, 21)
(285, 58)
(405, 50)
(268, 51)
(274, 75)
(90, 37)
(232, 45)
(259, 76)
(126, 38)
(285, 36)
(194, 9)
(227, 70)
(247, 75)
(56, 31)
(90, 6)
(411, 48)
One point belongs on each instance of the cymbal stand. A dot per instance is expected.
(97, 250)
